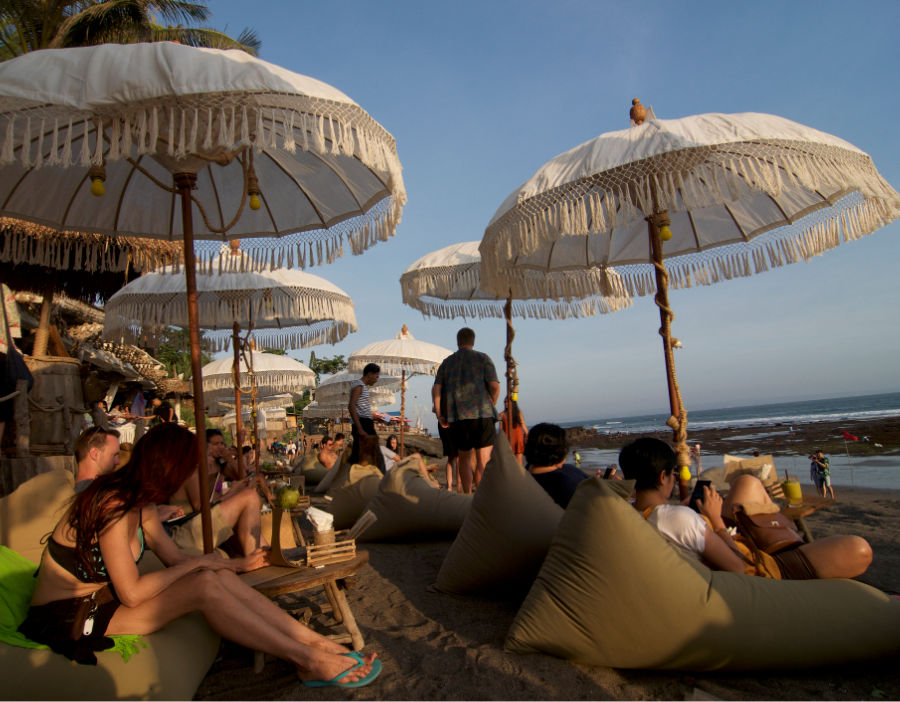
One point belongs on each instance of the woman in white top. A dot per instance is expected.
(651, 463)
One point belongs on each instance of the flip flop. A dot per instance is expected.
(362, 682)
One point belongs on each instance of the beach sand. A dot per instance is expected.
(440, 647)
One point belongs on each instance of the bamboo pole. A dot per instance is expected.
(185, 182)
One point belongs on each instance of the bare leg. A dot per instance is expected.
(482, 456)
(839, 556)
(261, 628)
(452, 473)
(746, 489)
(466, 466)
(242, 512)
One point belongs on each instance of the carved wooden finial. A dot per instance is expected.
(638, 112)
(404, 330)
(235, 246)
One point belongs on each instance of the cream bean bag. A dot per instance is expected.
(613, 592)
(169, 664)
(407, 505)
(350, 492)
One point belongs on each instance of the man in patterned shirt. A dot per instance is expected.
(469, 381)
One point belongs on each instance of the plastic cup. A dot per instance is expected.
(792, 491)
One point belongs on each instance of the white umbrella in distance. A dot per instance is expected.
(715, 195)
(404, 355)
(447, 283)
(189, 143)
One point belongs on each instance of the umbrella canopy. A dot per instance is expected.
(404, 355)
(175, 136)
(272, 373)
(716, 195)
(324, 171)
(447, 283)
(284, 308)
(280, 401)
(335, 390)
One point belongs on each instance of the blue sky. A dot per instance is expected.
(480, 94)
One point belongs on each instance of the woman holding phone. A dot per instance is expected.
(703, 534)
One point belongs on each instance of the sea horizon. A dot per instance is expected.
(833, 409)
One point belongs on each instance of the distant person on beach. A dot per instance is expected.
(518, 432)
(448, 447)
(703, 534)
(89, 587)
(820, 473)
(696, 458)
(545, 458)
(472, 388)
(360, 407)
(327, 455)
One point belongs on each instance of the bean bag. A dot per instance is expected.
(350, 492)
(613, 592)
(312, 470)
(168, 664)
(407, 505)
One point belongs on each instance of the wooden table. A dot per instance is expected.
(276, 580)
(804, 509)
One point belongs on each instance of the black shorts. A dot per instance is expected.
(447, 444)
(468, 434)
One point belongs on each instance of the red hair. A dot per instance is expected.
(160, 462)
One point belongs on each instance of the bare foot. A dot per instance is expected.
(254, 561)
(330, 666)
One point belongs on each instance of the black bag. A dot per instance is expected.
(14, 367)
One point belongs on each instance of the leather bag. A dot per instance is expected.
(770, 533)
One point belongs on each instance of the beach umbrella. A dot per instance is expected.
(335, 389)
(447, 283)
(188, 143)
(404, 355)
(715, 195)
(279, 308)
(270, 373)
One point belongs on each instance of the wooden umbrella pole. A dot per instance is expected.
(678, 419)
(510, 366)
(236, 375)
(254, 413)
(42, 333)
(402, 410)
(185, 182)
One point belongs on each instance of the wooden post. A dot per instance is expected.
(22, 419)
(185, 182)
(236, 373)
(402, 411)
(42, 333)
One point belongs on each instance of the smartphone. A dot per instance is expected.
(608, 472)
(697, 494)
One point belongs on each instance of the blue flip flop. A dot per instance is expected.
(362, 682)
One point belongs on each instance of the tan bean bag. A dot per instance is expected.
(350, 492)
(506, 533)
(312, 470)
(170, 667)
(407, 505)
(613, 592)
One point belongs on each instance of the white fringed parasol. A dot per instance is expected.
(730, 195)
(271, 372)
(404, 355)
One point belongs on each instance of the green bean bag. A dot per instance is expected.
(506, 533)
(350, 492)
(168, 664)
(407, 505)
(613, 592)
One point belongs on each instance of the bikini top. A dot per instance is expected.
(65, 557)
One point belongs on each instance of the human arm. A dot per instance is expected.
(720, 551)
(436, 401)
(494, 391)
(132, 587)
(167, 512)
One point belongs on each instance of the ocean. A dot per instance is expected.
(881, 472)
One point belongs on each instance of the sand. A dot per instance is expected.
(440, 647)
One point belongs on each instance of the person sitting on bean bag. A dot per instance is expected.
(703, 535)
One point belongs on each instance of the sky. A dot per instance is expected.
(479, 95)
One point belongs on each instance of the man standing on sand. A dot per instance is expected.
(360, 407)
(97, 452)
(470, 381)
(820, 472)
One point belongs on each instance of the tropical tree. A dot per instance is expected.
(335, 364)
(173, 351)
(29, 25)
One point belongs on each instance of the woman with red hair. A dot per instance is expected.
(89, 585)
